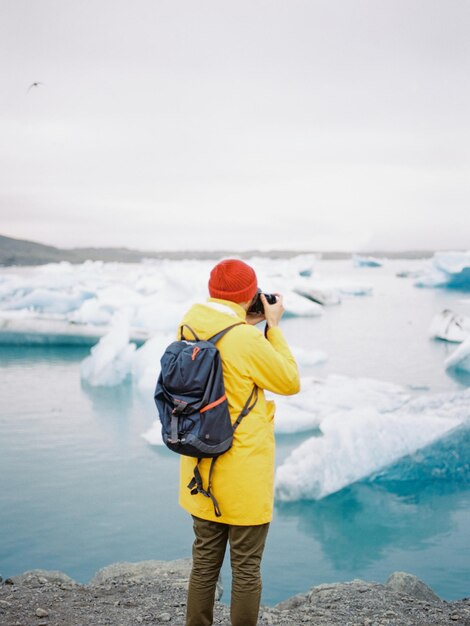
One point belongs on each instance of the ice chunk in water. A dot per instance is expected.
(110, 361)
(448, 269)
(358, 443)
(450, 326)
(460, 358)
(318, 398)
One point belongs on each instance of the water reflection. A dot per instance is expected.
(112, 409)
(358, 525)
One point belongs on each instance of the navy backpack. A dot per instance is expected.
(192, 405)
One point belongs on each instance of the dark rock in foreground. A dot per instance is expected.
(154, 592)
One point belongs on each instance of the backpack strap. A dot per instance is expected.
(189, 327)
(179, 407)
(196, 485)
(215, 338)
(249, 404)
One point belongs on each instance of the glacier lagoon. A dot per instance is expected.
(82, 488)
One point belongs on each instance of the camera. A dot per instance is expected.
(257, 306)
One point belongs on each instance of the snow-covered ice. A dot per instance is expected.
(152, 295)
(357, 443)
(110, 361)
(447, 269)
(460, 358)
(365, 261)
(450, 326)
(319, 397)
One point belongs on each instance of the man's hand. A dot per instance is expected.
(273, 312)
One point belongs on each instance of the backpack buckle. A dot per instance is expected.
(179, 407)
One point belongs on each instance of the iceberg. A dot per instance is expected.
(450, 326)
(110, 361)
(298, 306)
(154, 434)
(446, 460)
(319, 397)
(365, 261)
(70, 304)
(318, 290)
(49, 300)
(145, 367)
(23, 328)
(358, 443)
(460, 358)
(448, 269)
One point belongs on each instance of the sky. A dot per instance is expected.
(223, 124)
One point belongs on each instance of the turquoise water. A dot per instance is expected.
(80, 488)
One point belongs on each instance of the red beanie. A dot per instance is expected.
(233, 280)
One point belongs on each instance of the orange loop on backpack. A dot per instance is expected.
(213, 404)
(194, 354)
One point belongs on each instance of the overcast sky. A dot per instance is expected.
(166, 124)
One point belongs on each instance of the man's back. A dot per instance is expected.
(243, 476)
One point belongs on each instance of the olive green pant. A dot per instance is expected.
(246, 549)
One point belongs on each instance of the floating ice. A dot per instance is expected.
(298, 306)
(152, 295)
(460, 358)
(24, 328)
(154, 434)
(360, 442)
(92, 311)
(450, 326)
(49, 300)
(146, 362)
(317, 290)
(318, 398)
(110, 361)
(307, 358)
(365, 261)
(446, 460)
(448, 269)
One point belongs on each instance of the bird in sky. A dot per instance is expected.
(36, 84)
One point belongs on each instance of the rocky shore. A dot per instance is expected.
(154, 592)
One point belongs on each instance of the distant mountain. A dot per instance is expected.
(23, 252)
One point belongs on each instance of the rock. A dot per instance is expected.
(143, 569)
(4, 604)
(41, 612)
(164, 617)
(9, 581)
(293, 603)
(43, 576)
(412, 586)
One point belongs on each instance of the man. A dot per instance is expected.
(243, 477)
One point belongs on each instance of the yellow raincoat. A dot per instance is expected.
(243, 477)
